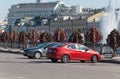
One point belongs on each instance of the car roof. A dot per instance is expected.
(64, 44)
(72, 43)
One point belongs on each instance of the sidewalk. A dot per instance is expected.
(109, 59)
(10, 50)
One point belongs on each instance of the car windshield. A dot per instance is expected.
(42, 45)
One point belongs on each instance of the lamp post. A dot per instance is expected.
(10, 31)
(72, 26)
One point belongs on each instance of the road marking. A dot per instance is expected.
(20, 77)
(12, 77)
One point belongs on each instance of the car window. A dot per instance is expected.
(50, 45)
(81, 47)
(71, 46)
(42, 45)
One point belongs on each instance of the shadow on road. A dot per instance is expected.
(110, 61)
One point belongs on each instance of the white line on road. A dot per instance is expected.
(12, 77)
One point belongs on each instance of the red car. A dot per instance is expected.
(72, 51)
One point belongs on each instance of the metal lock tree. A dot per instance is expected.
(93, 36)
(34, 36)
(46, 37)
(4, 38)
(60, 35)
(14, 38)
(113, 40)
(76, 37)
(23, 38)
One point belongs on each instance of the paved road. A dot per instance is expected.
(16, 66)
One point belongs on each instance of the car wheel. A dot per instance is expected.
(37, 55)
(65, 59)
(54, 60)
(82, 61)
(94, 59)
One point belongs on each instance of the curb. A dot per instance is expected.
(110, 60)
(15, 51)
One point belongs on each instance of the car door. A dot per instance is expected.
(72, 50)
(83, 51)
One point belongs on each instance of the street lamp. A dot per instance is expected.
(72, 26)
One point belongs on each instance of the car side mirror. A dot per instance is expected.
(45, 47)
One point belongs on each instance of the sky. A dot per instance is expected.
(6, 4)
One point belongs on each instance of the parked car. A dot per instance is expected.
(72, 51)
(38, 51)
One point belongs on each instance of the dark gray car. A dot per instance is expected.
(38, 51)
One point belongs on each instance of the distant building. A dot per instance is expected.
(41, 8)
(3, 25)
(77, 9)
(80, 10)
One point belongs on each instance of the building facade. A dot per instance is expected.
(42, 9)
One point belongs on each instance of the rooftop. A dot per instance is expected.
(34, 5)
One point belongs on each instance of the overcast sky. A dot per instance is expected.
(6, 4)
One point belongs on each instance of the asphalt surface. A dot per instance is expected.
(16, 66)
